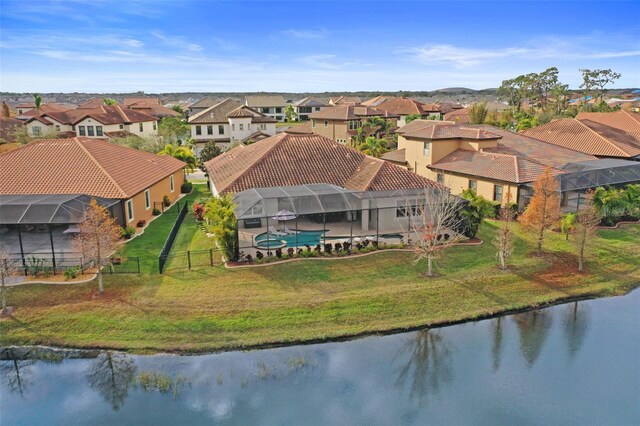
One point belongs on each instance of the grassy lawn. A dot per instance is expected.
(218, 308)
(148, 245)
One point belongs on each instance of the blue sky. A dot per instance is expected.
(173, 46)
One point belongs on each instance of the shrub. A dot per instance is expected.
(156, 212)
(279, 253)
(141, 223)
(259, 255)
(338, 247)
(127, 232)
(72, 273)
(290, 252)
(166, 201)
(186, 187)
(222, 223)
(327, 248)
(198, 211)
(248, 258)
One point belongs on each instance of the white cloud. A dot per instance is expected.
(306, 34)
(176, 41)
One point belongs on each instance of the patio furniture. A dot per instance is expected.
(72, 229)
(274, 231)
(252, 223)
(289, 231)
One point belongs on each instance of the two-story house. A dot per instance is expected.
(341, 123)
(227, 122)
(307, 106)
(270, 105)
(404, 107)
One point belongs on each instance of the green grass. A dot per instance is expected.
(148, 245)
(217, 308)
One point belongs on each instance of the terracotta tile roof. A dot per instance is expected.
(8, 126)
(396, 156)
(215, 114)
(256, 117)
(256, 136)
(588, 137)
(300, 129)
(265, 101)
(374, 102)
(406, 106)
(39, 118)
(280, 161)
(447, 131)
(26, 105)
(420, 124)
(157, 111)
(115, 114)
(141, 101)
(345, 100)
(349, 112)
(44, 109)
(91, 103)
(459, 116)
(623, 120)
(310, 102)
(205, 103)
(99, 168)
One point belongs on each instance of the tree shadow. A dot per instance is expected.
(576, 325)
(534, 328)
(112, 374)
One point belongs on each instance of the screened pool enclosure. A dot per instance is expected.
(307, 215)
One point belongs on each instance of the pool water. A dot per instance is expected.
(311, 238)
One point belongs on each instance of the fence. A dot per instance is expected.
(164, 253)
(128, 265)
(45, 266)
(161, 206)
(191, 259)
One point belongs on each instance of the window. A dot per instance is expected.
(497, 192)
(264, 110)
(37, 130)
(313, 123)
(440, 178)
(241, 127)
(122, 126)
(171, 183)
(249, 126)
(426, 148)
(220, 129)
(147, 200)
(81, 131)
(326, 123)
(130, 209)
(233, 127)
(262, 126)
(317, 108)
(98, 130)
(155, 126)
(90, 131)
(354, 124)
(198, 130)
(256, 209)
(57, 127)
(142, 127)
(473, 185)
(209, 130)
(279, 110)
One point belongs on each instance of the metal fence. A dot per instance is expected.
(191, 260)
(164, 253)
(128, 265)
(38, 265)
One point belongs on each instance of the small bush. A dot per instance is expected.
(327, 248)
(141, 223)
(127, 232)
(259, 255)
(290, 252)
(278, 253)
(186, 187)
(156, 212)
(166, 201)
(72, 273)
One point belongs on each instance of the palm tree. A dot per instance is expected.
(37, 101)
(182, 153)
(374, 147)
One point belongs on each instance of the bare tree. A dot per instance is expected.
(98, 237)
(112, 374)
(437, 225)
(504, 239)
(8, 267)
(587, 221)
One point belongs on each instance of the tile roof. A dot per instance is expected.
(349, 112)
(460, 116)
(300, 129)
(310, 102)
(434, 131)
(151, 106)
(99, 168)
(91, 103)
(622, 120)
(115, 114)
(345, 100)
(216, 113)
(280, 161)
(147, 101)
(44, 109)
(205, 103)
(396, 156)
(374, 102)
(265, 101)
(256, 117)
(406, 106)
(587, 136)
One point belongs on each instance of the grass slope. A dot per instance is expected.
(217, 308)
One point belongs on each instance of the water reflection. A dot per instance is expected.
(496, 347)
(428, 366)
(112, 374)
(15, 374)
(534, 328)
(576, 324)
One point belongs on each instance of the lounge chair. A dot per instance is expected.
(289, 231)
(274, 231)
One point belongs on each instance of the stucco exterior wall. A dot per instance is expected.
(157, 191)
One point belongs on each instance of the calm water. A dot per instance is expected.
(570, 364)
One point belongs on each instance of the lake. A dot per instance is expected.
(569, 364)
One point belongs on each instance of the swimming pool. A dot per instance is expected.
(311, 238)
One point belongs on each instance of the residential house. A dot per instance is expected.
(151, 106)
(498, 164)
(95, 168)
(341, 123)
(404, 107)
(270, 105)
(458, 116)
(307, 106)
(344, 100)
(45, 108)
(201, 105)
(374, 102)
(345, 191)
(227, 122)
(605, 135)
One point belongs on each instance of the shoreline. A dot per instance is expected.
(93, 351)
